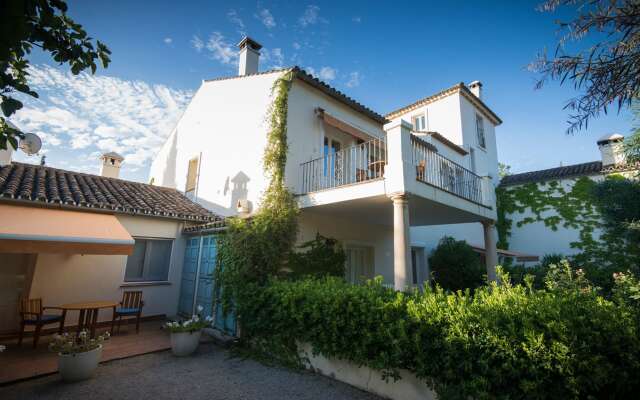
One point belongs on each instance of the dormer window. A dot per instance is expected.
(418, 122)
(480, 131)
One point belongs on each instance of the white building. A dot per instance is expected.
(374, 182)
(531, 235)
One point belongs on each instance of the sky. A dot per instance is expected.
(385, 54)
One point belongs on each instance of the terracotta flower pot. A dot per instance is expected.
(185, 343)
(79, 366)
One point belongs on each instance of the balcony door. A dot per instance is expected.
(332, 162)
(360, 266)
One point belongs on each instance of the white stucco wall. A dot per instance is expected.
(61, 278)
(536, 238)
(225, 125)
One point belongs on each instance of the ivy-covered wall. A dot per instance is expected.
(564, 204)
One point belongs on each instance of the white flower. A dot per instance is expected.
(2, 348)
(200, 308)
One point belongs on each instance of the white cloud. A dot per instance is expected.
(328, 73)
(90, 114)
(266, 18)
(310, 71)
(274, 58)
(310, 16)
(219, 48)
(235, 19)
(296, 45)
(357, 19)
(168, 40)
(197, 43)
(354, 79)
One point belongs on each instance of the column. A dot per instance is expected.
(491, 252)
(401, 242)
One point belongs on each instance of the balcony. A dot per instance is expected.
(366, 162)
(356, 164)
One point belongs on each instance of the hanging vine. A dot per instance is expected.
(252, 250)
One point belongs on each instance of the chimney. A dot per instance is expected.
(611, 149)
(476, 88)
(249, 56)
(111, 164)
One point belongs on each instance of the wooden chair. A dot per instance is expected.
(32, 313)
(130, 306)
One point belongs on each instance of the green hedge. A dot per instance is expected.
(505, 341)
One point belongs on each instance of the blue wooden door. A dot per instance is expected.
(204, 296)
(189, 272)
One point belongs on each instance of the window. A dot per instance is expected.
(192, 176)
(359, 266)
(150, 261)
(480, 131)
(418, 122)
(331, 157)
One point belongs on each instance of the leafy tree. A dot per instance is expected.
(503, 170)
(43, 24)
(605, 66)
(455, 266)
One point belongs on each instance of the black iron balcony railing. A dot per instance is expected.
(437, 170)
(355, 164)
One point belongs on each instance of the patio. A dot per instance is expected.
(209, 374)
(18, 363)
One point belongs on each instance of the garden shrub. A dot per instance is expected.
(319, 257)
(455, 266)
(504, 341)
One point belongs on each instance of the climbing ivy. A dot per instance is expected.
(251, 250)
(569, 205)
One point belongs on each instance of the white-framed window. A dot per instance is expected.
(150, 260)
(480, 131)
(419, 122)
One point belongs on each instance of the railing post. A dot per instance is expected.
(399, 170)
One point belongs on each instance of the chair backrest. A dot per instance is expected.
(30, 306)
(132, 299)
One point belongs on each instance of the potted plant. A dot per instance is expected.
(78, 357)
(185, 335)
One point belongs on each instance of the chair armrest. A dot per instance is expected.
(141, 303)
(52, 308)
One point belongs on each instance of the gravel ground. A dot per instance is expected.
(210, 374)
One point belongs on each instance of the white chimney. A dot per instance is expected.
(249, 56)
(111, 164)
(476, 88)
(611, 149)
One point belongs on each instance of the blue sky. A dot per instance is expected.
(384, 54)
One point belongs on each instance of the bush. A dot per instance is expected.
(455, 266)
(319, 257)
(504, 342)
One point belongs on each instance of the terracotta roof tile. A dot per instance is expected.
(50, 186)
(569, 171)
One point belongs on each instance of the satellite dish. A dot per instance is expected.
(30, 143)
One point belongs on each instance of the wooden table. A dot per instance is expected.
(88, 316)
